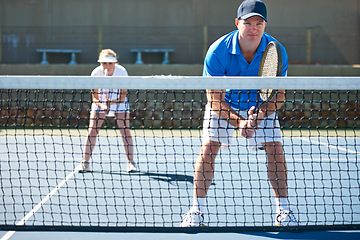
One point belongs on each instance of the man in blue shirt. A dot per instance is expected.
(239, 54)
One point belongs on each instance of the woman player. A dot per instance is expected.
(109, 102)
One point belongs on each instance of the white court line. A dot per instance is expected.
(323, 160)
(331, 146)
(42, 202)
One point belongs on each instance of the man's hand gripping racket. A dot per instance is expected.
(270, 66)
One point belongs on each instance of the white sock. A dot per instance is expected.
(198, 204)
(282, 204)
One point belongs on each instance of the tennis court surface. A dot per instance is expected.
(42, 137)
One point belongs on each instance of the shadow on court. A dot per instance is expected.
(163, 177)
(320, 235)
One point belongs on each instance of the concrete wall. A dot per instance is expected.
(174, 13)
(188, 26)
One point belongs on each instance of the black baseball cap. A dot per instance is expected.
(250, 8)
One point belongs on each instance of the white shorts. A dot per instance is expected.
(218, 130)
(114, 108)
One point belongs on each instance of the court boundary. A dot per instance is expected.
(234, 229)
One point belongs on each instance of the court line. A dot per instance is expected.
(42, 202)
(331, 146)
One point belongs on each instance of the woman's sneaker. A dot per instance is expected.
(193, 219)
(85, 166)
(131, 167)
(285, 218)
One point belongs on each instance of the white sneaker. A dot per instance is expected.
(85, 166)
(285, 218)
(131, 167)
(193, 219)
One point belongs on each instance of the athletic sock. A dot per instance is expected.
(198, 204)
(282, 204)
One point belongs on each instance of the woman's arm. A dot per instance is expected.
(121, 98)
(96, 100)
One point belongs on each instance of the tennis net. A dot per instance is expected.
(44, 124)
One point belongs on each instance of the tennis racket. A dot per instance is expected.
(270, 66)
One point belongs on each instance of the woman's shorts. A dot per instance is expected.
(114, 108)
(218, 130)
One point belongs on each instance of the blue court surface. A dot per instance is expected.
(41, 185)
(329, 235)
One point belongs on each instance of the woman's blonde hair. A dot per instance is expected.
(108, 53)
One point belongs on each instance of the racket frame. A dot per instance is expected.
(279, 54)
(278, 70)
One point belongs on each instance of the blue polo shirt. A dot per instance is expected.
(224, 58)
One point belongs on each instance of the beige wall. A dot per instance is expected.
(287, 13)
(29, 24)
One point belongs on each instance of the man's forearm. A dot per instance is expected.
(274, 104)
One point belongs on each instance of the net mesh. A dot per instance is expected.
(44, 123)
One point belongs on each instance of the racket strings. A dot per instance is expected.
(270, 63)
(269, 69)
